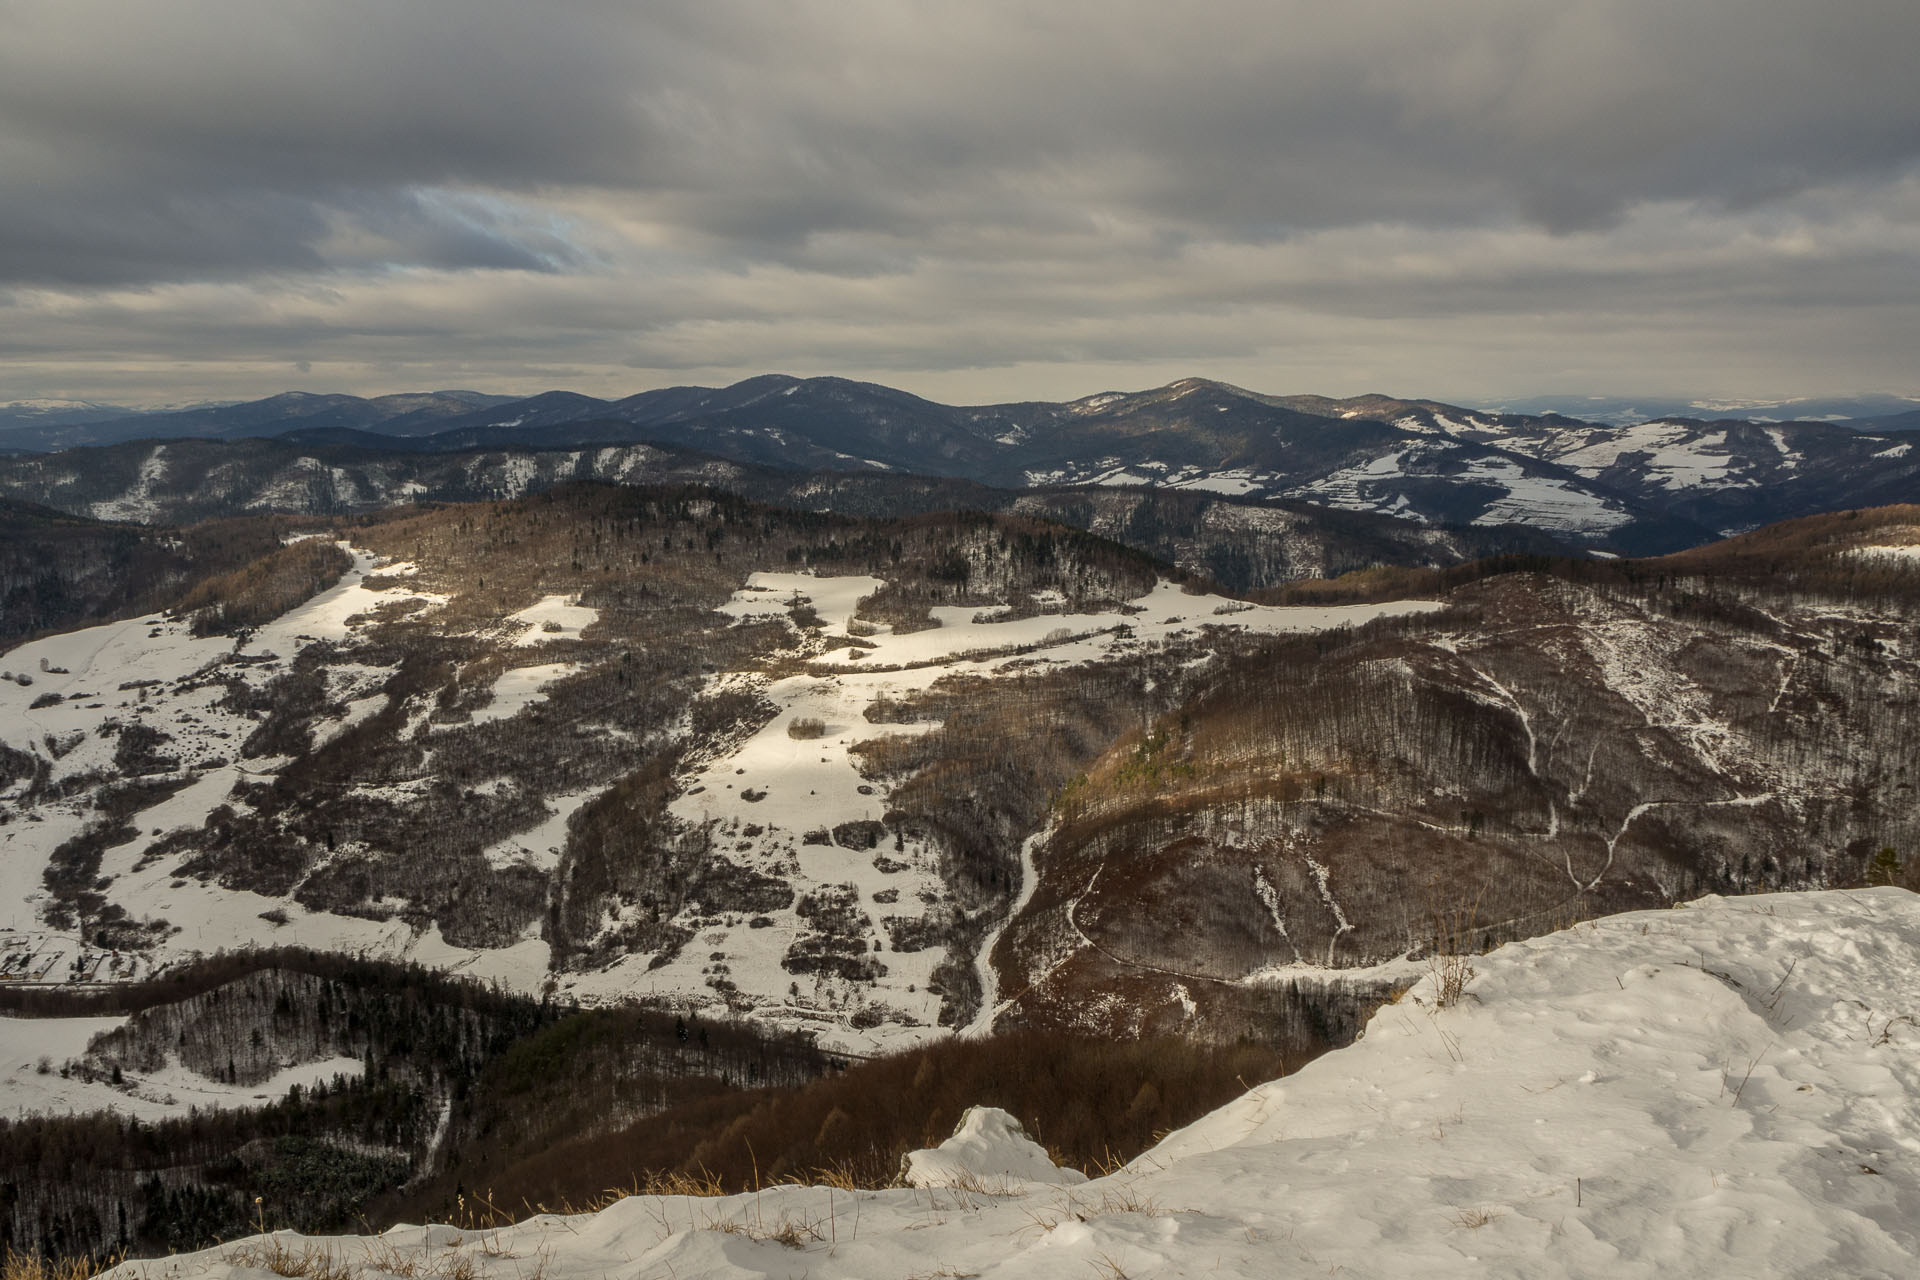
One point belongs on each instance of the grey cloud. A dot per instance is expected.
(893, 185)
(760, 127)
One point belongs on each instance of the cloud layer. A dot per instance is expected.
(980, 201)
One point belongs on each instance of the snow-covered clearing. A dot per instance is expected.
(1374, 485)
(1543, 500)
(1886, 554)
(1790, 457)
(553, 618)
(26, 1089)
(540, 847)
(519, 688)
(1357, 488)
(1235, 482)
(137, 503)
(1728, 1089)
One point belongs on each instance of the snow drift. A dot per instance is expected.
(1729, 1088)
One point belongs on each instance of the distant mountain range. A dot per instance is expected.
(1868, 413)
(1650, 486)
(63, 424)
(43, 424)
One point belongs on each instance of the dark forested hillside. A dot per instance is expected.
(435, 1063)
(59, 571)
(1551, 746)
(463, 1102)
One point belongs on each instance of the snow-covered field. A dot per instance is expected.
(1543, 501)
(552, 618)
(1727, 1089)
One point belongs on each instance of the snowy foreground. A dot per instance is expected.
(1727, 1089)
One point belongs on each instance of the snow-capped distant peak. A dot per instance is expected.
(44, 405)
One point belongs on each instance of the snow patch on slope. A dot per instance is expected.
(156, 673)
(552, 618)
(1674, 455)
(1884, 554)
(1543, 500)
(519, 688)
(136, 503)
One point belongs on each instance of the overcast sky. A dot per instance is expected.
(1468, 199)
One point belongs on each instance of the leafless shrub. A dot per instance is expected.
(1450, 946)
(806, 727)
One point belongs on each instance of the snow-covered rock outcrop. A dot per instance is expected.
(988, 1149)
(1728, 1089)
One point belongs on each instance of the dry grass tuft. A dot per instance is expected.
(701, 1184)
(1474, 1218)
(31, 1266)
(448, 1262)
(297, 1259)
(1073, 1206)
(789, 1229)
